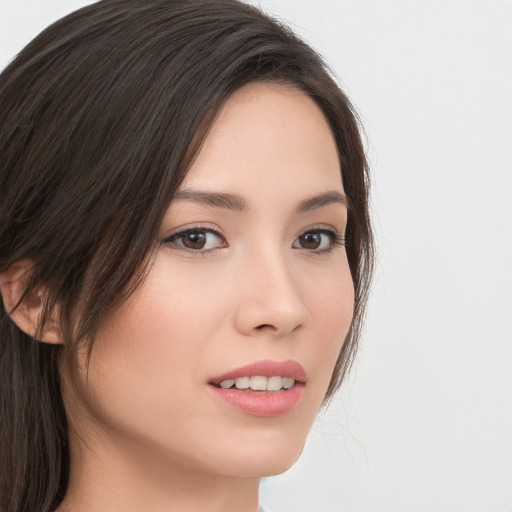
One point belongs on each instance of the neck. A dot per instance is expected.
(111, 475)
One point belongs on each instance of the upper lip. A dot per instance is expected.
(265, 368)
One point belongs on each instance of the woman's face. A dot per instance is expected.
(251, 279)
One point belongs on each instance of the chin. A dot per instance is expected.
(260, 460)
(278, 467)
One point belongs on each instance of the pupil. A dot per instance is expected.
(195, 240)
(310, 240)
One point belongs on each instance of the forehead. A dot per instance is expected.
(268, 139)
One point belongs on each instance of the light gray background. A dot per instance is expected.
(425, 422)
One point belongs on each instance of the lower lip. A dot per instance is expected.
(260, 403)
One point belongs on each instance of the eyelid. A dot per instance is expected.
(313, 227)
(198, 227)
(324, 228)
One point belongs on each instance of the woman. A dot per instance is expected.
(185, 254)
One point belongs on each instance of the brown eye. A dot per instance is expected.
(317, 240)
(310, 240)
(194, 240)
(198, 240)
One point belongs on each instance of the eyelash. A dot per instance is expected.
(337, 240)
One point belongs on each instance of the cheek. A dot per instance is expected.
(153, 341)
(332, 307)
(329, 291)
(175, 311)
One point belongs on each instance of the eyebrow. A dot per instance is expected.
(238, 203)
(215, 199)
(325, 199)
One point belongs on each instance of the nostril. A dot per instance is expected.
(264, 327)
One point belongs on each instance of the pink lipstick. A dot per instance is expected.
(265, 388)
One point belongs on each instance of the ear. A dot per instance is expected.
(27, 314)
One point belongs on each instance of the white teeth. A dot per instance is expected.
(242, 382)
(274, 383)
(259, 383)
(288, 382)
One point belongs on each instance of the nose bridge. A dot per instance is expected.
(270, 300)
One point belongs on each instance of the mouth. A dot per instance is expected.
(264, 388)
(258, 383)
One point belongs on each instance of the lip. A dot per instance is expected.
(261, 403)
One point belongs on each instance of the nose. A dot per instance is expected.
(269, 299)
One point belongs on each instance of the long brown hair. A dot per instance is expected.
(101, 116)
